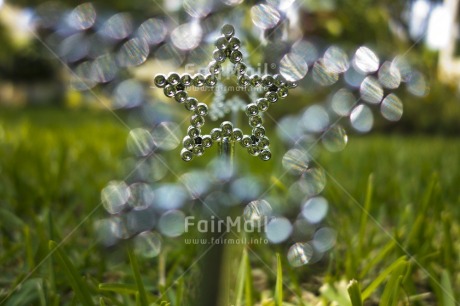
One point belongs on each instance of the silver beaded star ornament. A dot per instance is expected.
(273, 88)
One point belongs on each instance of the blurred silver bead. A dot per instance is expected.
(198, 80)
(227, 128)
(169, 90)
(188, 143)
(173, 78)
(186, 155)
(201, 109)
(271, 96)
(237, 135)
(236, 57)
(216, 134)
(207, 141)
(160, 80)
(252, 109)
(227, 30)
(255, 121)
(262, 104)
(234, 43)
(265, 155)
(219, 56)
(191, 103)
(186, 79)
(197, 121)
(180, 96)
(193, 132)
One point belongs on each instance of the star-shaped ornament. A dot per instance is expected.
(273, 87)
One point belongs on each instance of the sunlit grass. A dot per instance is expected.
(54, 163)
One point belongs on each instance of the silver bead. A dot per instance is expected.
(253, 150)
(256, 80)
(186, 79)
(169, 90)
(279, 80)
(219, 56)
(180, 96)
(240, 68)
(236, 57)
(252, 109)
(211, 80)
(262, 104)
(215, 68)
(268, 81)
(207, 141)
(221, 43)
(188, 143)
(186, 155)
(243, 80)
(263, 142)
(201, 109)
(282, 92)
(216, 134)
(197, 121)
(198, 80)
(265, 155)
(193, 132)
(255, 121)
(258, 132)
(160, 80)
(237, 135)
(173, 78)
(246, 141)
(234, 43)
(227, 128)
(198, 150)
(271, 96)
(291, 84)
(191, 104)
(228, 30)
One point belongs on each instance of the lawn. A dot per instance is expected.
(393, 201)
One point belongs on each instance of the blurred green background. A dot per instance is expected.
(59, 147)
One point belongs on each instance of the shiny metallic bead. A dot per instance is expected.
(236, 57)
(256, 80)
(211, 80)
(201, 109)
(188, 142)
(271, 96)
(263, 142)
(186, 79)
(216, 134)
(253, 150)
(227, 128)
(268, 81)
(215, 68)
(227, 30)
(240, 68)
(160, 80)
(291, 84)
(279, 80)
(282, 92)
(169, 90)
(198, 80)
(186, 155)
(237, 135)
(246, 141)
(265, 155)
(197, 121)
(219, 56)
(180, 96)
(191, 103)
(255, 121)
(262, 104)
(173, 78)
(193, 132)
(207, 141)
(244, 80)
(258, 132)
(252, 109)
(221, 43)
(198, 150)
(234, 43)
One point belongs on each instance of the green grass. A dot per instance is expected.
(54, 163)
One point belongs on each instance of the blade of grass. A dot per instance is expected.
(365, 214)
(80, 288)
(141, 297)
(393, 287)
(448, 296)
(118, 288)
(379, 280)
(241, 279)
(354, 291)
(248, 282)
(376, 259)
(279, 281)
